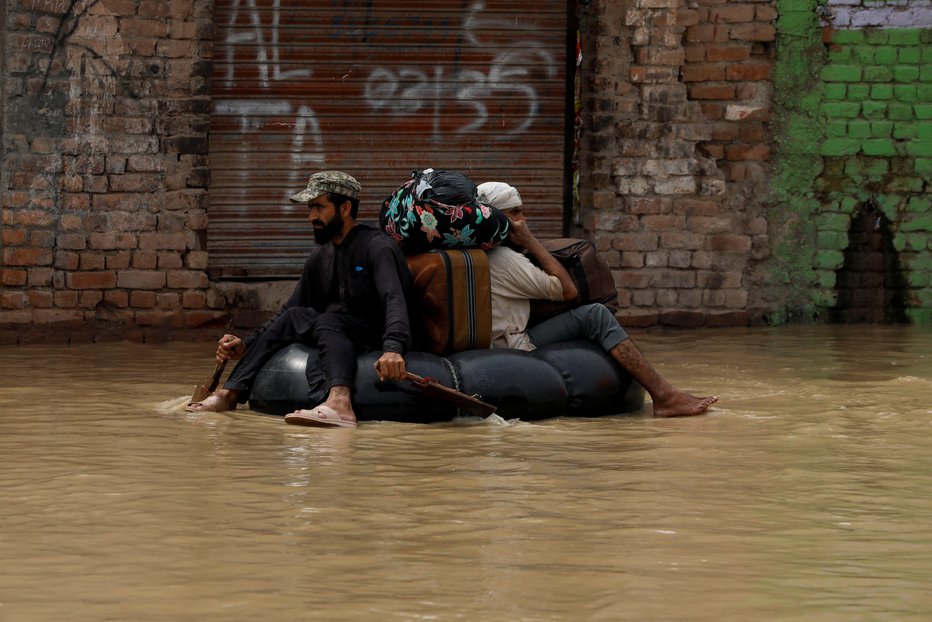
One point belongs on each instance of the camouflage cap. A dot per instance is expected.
(328, 181)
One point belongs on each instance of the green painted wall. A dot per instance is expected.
(853, 124)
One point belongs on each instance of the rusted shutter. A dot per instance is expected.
(377, 89)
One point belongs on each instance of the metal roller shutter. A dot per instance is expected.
(377, 89)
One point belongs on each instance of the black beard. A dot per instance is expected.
(329, 231)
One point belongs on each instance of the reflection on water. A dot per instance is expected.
(803, 495)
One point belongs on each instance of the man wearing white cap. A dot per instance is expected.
(350, 298)
(515, 281)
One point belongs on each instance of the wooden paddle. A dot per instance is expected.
(466, 403)
(203, 391)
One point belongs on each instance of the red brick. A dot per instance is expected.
(647, 205)
(187, 279)
(118, 261)
(42, 277)
(27, 256)
(135, 182)
(76, 202)
(727, 53)
(13, 277)
(654, 74)
(145, 260)
(164, 319)
(117, 298)
(44, 237)
(15, 199)
(765, 13)
(712, 91)
(14, 237)
(170, 261)
(89, 299)
(654, 55)
(92, 261)
(748, 71)
(142, 299)
(65, 260)
(681, 240)
(132, 27)
(111, 240)
(729, 242)
(40, 299)
(55, 316)
(66, 299)
(712, 111)
(704, 72)
(753, 32)
(747, 152)
(713, 150)
(733, 13)
(180, 9)
(12, 300)
(91, 280)
(707, 33)
(724, 131)
(662, 222)
(140, 279)
(163, 241)
(96, 184)
(33, 218)
(168, 300)
(687, 17)
(8, 318)
(154, 8)
(752, 132)
(176, 48)
(55, 7)
(695, 53)
(206, 319)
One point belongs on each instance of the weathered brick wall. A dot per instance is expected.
(855, 138)
(105, 168)
(726, 147)
(675, 152)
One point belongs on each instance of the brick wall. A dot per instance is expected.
(105, 169)
(725, 149)
(675, 154)
(855, 137)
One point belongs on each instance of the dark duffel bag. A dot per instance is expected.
(593, 278)
(441, 210)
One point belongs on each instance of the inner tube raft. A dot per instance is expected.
(575, 379)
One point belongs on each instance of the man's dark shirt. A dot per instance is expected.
(366, 276)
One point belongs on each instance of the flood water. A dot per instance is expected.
(805, 494)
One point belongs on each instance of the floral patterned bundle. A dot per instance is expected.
(441, 210)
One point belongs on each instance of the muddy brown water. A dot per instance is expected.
(803, 495)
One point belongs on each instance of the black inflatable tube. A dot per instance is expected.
(575, 379)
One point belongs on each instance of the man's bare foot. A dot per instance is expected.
(322, 416)
(682, 404)
(335, 412)
(219, 402)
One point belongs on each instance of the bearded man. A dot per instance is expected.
(350, 299)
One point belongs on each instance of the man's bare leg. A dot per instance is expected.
(218, 402)
(668, 400)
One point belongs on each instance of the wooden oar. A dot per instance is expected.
(466, 403)
(202, 391)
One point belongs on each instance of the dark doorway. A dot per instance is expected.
(870, 286)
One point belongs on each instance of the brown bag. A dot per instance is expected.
(592, 276)
(452, 300)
